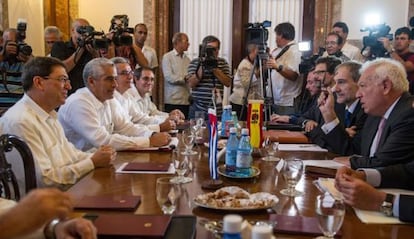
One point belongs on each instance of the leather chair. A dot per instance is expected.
(9, 186)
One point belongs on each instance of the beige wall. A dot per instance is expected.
(100, 12)
(32, 11)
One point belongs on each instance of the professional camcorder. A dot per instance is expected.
(22, 47)
(92, 37)
(372, 47)
(308, 63)
(207, 57)
(257, 33)
(119, 26)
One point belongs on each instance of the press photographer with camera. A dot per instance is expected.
(205, 74)
(76, 52)
(400, 51)
(122, 42)
(333, 45)
(15, 53)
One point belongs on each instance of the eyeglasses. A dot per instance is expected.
(331, 43)
(125, 73)
(319, 72)
(147, 79)
(62, 79)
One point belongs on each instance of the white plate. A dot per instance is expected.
(271, 200)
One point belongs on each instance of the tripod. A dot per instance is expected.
(268, 100)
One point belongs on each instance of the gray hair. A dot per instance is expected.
(53, 30)
(94, 68)
(353, 67)
(119, 60)
(385, 68)
(178, 37)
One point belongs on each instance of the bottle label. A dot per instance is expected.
(231, 157)
(243, 159)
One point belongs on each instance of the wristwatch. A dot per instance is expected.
(49, 230)
(387, 205)
(279, 68)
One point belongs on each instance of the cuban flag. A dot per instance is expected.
(212, 152)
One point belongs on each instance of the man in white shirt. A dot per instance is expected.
(92, 117)
(124, 80)
(144, 81)
(140, 34)
(174, 68)
(33, 118)
(34, 216)
(284, 62)
(351, 51)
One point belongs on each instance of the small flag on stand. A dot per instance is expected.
(212, 153)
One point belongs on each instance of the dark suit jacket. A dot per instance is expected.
(396, 145)
(317, 135)
(400, 176)
(338, 140)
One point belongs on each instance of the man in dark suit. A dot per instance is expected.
(387, 137)
(358, 190)
(342, 132)
(323, 74)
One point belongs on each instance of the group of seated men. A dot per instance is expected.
(364, 111)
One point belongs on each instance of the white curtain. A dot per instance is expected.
(277, 11)
(199, 18)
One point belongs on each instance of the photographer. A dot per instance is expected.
(242, 80)
(73, 55)
(400, 51)
(333, 45)
(12, 59)
(204, 78)
(123, 43)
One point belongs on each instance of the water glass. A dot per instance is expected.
(167, 194)
(188, 139)
(182, 165)
(271, 150)
(292, 171)
(330, 213)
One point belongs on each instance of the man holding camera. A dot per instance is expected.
(75, 55)
(284, 62)
(206, 76)
(400, 51)
(12, 58)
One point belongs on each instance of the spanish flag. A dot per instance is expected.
(255, 122)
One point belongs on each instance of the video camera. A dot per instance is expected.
(119, 26)
(308, 63)
(257, 33)
(207, 58)
(89, 36)
(22, 47)
(372, 48)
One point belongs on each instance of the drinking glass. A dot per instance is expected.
(292, 171)
(330, 213)
(271, 150)
(167, 194)
(181, 164)
(188, 139)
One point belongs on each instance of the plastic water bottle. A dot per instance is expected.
(231, 151)
(225, 117)
(244, 154)
(232, 224)
(235, 120)
(262, 232)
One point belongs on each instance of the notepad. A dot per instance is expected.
(297, 225)
(148, 226)
(109, 202)
(147, 166)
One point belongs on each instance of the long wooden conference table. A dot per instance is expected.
(105, 181)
